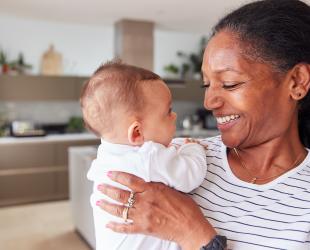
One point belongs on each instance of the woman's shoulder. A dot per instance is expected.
(213, 144)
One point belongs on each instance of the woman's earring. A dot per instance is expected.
(298, 96)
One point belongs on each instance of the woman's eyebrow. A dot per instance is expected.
(227, 69)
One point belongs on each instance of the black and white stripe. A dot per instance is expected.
(271, 216)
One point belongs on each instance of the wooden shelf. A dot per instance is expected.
(40, 88)
(188, 91)
(68, 88)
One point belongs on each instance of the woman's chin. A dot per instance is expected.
(231, 140)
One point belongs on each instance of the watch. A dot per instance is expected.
(219, 242)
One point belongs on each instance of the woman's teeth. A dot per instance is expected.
(227, 118)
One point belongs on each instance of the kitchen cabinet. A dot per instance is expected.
(36, 170)
(62, 88)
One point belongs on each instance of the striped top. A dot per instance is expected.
(275, 215)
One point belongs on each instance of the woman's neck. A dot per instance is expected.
(270, 158)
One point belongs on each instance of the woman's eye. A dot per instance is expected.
(231, 85)
(205, 85)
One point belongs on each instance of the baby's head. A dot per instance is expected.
(128, 105)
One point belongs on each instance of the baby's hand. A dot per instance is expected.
(175, 145)
(191, 140)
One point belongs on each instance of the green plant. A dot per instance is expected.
(172, 68)
(19, 65)
(75, 125)
(185, 68)
(195, 59)
(3, 123)
(3, 58)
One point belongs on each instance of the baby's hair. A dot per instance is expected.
(113, 86)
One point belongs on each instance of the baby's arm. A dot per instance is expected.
(182, 168)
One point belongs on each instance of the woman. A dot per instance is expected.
(256, 194)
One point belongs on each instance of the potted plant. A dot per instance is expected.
(172, 71)
(3, 62)
(19, 65)
(194, 60)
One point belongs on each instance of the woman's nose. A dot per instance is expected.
(213, 99)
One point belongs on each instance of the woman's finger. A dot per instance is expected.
(116, 210)
(123, 228)
(112, 208)
(114, 193)
(133, 182)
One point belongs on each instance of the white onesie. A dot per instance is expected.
(182, 167)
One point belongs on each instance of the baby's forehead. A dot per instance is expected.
(102, 77)
(156, 86)
(157, 92)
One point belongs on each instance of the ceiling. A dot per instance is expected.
(179, 15)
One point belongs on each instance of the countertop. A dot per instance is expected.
(49, 138)
(88, 136)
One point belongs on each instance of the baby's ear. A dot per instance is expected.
(135, 134)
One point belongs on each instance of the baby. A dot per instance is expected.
(130, 109)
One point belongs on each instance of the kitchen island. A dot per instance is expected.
(35, 169)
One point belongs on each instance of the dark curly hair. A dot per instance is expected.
(278, 33)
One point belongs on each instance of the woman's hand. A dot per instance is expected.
(159, 211)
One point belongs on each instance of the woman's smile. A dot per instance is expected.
(225, 122)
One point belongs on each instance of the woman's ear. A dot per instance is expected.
(300, 81)
(135, 134)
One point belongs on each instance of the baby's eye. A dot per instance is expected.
(170, 111)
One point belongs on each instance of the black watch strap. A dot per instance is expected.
(219, 242)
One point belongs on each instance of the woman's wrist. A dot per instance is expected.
(219, 242)
(200, 236)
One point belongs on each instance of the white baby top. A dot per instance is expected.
(182, 167)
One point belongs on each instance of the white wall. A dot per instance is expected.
(83, 47)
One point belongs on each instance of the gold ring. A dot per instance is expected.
(125, 213)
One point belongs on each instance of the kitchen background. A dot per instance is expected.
(33, 37)
(47, 51)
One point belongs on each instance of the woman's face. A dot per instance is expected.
(250, 101)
